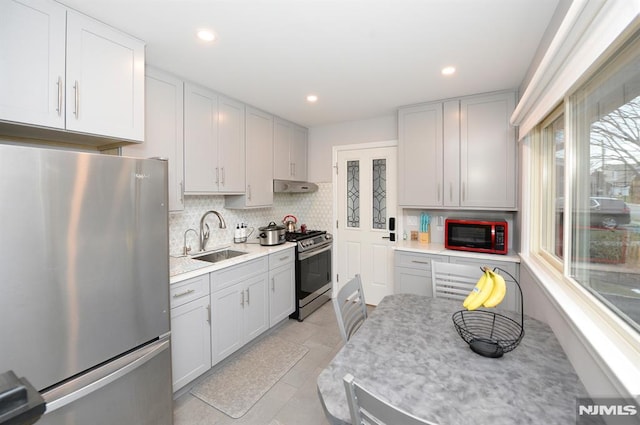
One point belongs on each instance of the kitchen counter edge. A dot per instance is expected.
(183, 268)
(439, 249)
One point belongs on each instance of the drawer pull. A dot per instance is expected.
(420, 262)
(181, 294)
(284, 258)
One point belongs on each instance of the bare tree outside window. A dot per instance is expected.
(605, 208)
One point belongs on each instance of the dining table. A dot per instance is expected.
(409, 353)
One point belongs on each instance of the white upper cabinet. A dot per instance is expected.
(231, 145)
(201, 172)
(63, 70)
(487, 152)
(214, 145)
(164, 130)
(105, 80)
(420, 155)
(458, 153)
(259, 169)
(32, 62)
(289, 151)
(299, 152)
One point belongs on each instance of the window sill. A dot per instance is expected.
(611, 343)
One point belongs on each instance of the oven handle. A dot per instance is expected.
(309, 254)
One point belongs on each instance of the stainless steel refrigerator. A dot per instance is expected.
(84, 284)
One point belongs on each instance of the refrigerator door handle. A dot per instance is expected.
(101, 377)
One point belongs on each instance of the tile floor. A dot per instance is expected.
(293, 400)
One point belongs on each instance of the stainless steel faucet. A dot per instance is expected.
(204, 228)
(187, 248)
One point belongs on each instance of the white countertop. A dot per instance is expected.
(182, 268)
(439, 249)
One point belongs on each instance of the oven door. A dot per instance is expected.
(314, 274)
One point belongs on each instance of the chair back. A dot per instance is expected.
(350, 307)
(368, 409)
(453, 281)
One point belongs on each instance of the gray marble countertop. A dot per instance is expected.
(409, 352)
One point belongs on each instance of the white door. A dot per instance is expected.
(366, 205)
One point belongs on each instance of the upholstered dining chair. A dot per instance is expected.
(350, 307)
(368, 409)
(452, 280)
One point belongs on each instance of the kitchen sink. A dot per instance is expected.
(216, 256)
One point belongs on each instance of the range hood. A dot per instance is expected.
(292, 186)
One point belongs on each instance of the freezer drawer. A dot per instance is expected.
(134, 389)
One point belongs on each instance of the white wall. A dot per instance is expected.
(323, 139)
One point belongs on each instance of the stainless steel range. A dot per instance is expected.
(313, 270)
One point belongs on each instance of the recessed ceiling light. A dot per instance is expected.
(206, 35)
(312, 98)
(448, 70)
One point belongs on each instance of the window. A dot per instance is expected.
(379, 195)
(353, 194)
(551, 217)
(592, 232)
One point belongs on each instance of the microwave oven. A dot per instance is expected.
(476, 235)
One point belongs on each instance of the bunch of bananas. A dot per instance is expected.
(488, 292)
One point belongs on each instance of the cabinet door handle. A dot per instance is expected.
(450, 192)
(242, 298)
(182, 193)
(438, 192)
(249, 192)
(76, 88)
(222, 175)
(247, 296)
(217, 175)
(291, 169)
(209, 313)
(59, 96)
(182, 294)
(273, 284)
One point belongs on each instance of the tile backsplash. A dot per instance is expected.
(313, 209)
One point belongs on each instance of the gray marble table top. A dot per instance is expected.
(409, 352)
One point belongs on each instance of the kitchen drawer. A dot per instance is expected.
(415, 260)
(188, 290)
(281, 258)
(231, 275)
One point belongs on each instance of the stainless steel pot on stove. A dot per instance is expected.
(272, 234)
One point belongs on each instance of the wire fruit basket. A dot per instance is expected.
(488, 333)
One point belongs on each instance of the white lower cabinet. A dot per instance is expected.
(215, 314)
(239, 306)
(281, 286)
(413, 274)
(190, 330)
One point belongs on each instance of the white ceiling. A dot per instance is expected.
(363, 58)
